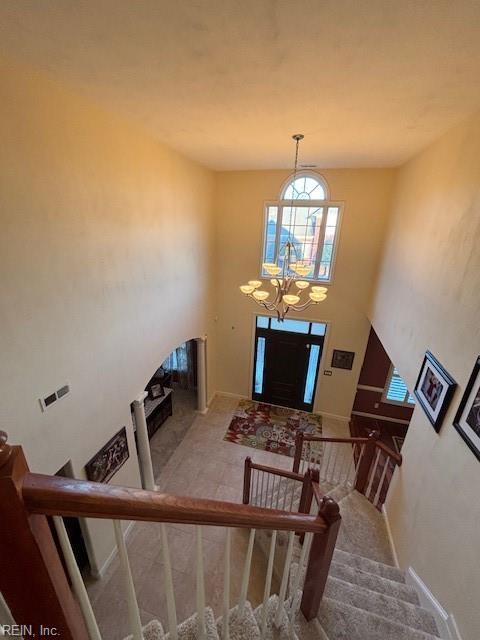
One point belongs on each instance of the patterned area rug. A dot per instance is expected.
(271, 428)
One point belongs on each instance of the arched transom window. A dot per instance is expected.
(305, 216)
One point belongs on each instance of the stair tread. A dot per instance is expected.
(374, 582)
(151, 631)
(371, 566)
(188, 629)
(272, 632)
(342, 621)
(387, 606)
(240, 627)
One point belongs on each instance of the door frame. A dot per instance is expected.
(321, 364)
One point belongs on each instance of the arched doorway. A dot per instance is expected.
(165, 410)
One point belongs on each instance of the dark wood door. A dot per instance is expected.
(286, 357)
(286, 366)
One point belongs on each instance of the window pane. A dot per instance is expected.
(332, 216)
(296, 326)
(311, 373)
(397, 389)
(318, 328)
(260, 365)
(304, 188)
(262, 322)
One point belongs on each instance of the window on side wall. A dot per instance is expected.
(396, 391)
(305, 216)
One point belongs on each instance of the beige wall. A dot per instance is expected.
(428, 298)
(105, 258)
(240, 217)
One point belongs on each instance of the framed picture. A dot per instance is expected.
(434, 390)
(342, 359)
(156, 391)
(467, 420)
(109, 459)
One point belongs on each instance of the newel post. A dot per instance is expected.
(298, 451)
(366, 461)
(320, 558)
(32, 578)
(247, 479)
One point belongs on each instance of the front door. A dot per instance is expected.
(287, 357)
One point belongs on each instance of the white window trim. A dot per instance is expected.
(306, 173)
(386, 400)
(307, 204)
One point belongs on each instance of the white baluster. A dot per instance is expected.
(307, 541)
(261, 488)
(372, 475)
(357, 467)
(226, 588)
(351, 463)
(268, 582)
(338, 455)
(246, 573)
(292, 497)
(382, 480)
(284, 583)
(287, 484)
(169, 590)
(257, 486)
(200, 586)
(325, 461)
(77, 580)
(132, 605)
(267, 490)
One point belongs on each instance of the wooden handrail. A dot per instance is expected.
(392, 454)
(277, 472)
(340, 440)
(52, 495)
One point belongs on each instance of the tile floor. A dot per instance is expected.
(190, 458)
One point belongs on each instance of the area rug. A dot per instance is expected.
(270, 428)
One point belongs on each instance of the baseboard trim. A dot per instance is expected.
(334, 416)
(229, 394)
(446, 623)
(103, 569)
(390, 537)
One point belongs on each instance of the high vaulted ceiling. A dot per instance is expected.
(369, 82)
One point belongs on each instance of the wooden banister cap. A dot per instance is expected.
(330, 509)
(5, 448)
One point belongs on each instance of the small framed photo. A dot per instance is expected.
(434, 390)
(157, 391)
(342, 359)
(467, 420)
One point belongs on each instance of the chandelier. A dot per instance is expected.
(287, 273)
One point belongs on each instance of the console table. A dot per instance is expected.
(156, 411)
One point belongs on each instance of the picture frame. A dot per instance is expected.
(434, 390)
(467, 418)
(157, 391)
(342, 359)
(106, 462)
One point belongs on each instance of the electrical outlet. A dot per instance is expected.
(327, 372)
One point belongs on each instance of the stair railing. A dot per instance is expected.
(33, 580)
(271, 487)
(365, 464)
(302, 494)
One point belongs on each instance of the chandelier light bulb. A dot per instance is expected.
(247, 289)
(255, 283)
(302, 284)
(271, 268)
(316, 289)
(302, 270)
(291, 299)
(277, 282)
(260, 295)
(317, 297)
